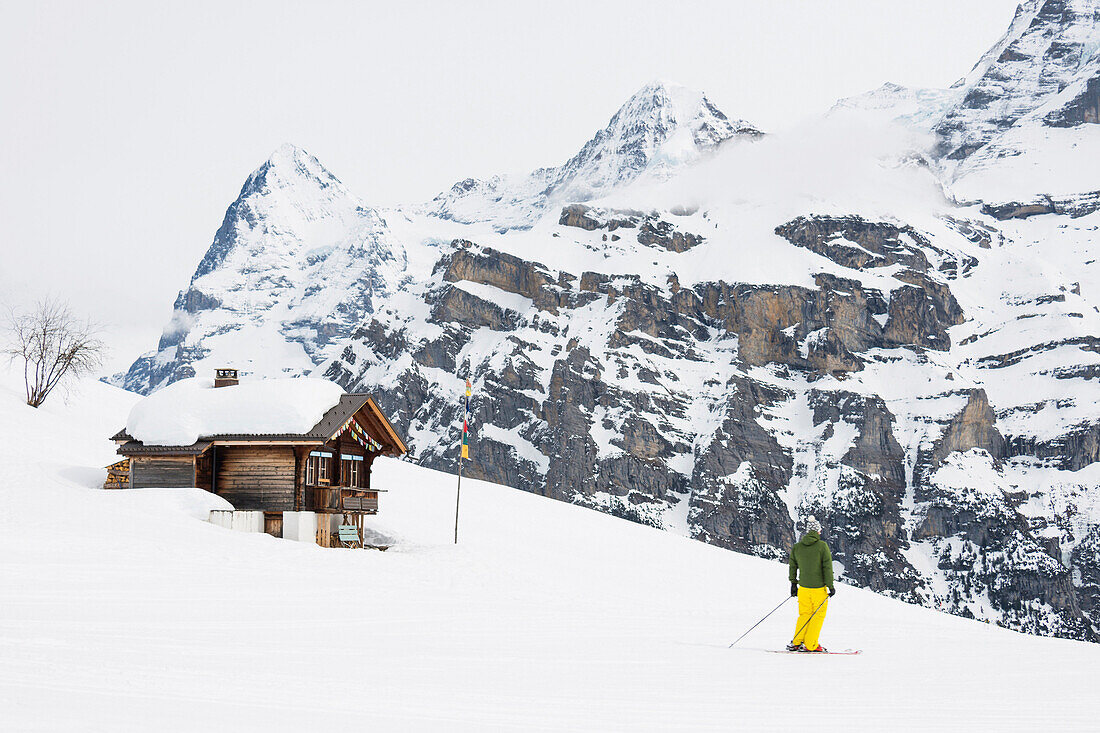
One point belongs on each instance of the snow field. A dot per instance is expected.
(124, 612)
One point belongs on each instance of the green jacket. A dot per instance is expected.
(811, 559)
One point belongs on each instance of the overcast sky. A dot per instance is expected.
(128, 128)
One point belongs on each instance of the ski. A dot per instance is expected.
(844, 652)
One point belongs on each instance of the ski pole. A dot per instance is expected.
(761, 620)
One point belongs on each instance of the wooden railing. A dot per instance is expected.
(368, 503)
(338, 499)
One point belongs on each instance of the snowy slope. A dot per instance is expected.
(545, 617)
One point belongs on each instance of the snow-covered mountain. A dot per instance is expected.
(296, 265)
(658, 130)
(719, 339)
(1015, 131)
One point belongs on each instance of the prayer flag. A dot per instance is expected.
(466, 423)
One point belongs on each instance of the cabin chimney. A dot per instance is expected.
(225, 377)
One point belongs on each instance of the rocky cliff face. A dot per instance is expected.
(728, 410)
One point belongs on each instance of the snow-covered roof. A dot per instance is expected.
(190, 409)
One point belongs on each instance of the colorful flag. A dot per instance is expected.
(466, 424)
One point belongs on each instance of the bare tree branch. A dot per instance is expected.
(53, 346)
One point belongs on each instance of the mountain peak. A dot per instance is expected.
(290, 156)
(289, 167)
(292, 193)
(296, 263)
(286, 150)
(673, 103)
(659, 128)
(682, 102)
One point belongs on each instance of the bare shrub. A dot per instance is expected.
(53, 346)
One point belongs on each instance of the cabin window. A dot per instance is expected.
(352, 466)
(317, 468)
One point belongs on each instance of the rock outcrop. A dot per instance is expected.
(986, 550)
(974, 427)
(861, 515)
(653, 231)
(918, 315)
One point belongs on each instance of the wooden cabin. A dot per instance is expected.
(326, 469)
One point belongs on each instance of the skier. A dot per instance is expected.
(811, 576)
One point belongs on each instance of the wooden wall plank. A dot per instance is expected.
(257, 477)
(162, 473)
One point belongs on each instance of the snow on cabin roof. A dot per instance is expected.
(190, 409)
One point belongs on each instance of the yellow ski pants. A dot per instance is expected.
(809, 599)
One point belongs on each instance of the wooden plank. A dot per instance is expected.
(257, 485)
(256, 489)
(273, 523)
(298, 479)
(372, 426)
(258, 502)
(272, 452)
(257, 477)
(397, 442)
(246, 467)
(163, 473)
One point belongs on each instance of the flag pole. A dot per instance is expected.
(458, 497)
(465, 452)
